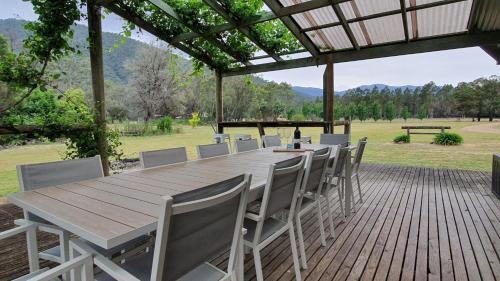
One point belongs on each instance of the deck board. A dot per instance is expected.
(414, 224)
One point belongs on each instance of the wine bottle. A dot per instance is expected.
(296, 138)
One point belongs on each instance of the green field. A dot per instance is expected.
(480, 141)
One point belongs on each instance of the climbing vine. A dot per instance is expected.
(51, 33)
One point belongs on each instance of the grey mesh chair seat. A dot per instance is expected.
(270, 227)
(246, 145)
(270, 141)
(140, 267)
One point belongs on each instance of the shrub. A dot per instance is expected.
(448, 139)
(164, 125)
(195, 120)
(402, 139)
(298, 117)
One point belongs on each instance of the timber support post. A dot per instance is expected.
(96, 64)
(219, 113)
(328, 96)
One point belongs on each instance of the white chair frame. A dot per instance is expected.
(255, 244)
(316, 198)
(335, 181)
(81, 266)
(235, 263)
(356, 163)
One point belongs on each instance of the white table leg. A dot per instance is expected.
(348, 185)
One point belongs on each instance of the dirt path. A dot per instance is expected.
(490, 127)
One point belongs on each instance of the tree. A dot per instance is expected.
(362, 111)
(376, 111)
(405, 113)
(350, 111)
(390, 111)
(422, 112)
(117, 113)
(489, 90)
(158, 79)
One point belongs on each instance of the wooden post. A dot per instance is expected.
(328, 95)
(219, 111)
(96, 65)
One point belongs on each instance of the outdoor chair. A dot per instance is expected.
(280, 195)
(311, 195)
(82, 264)
(162, 157)
(212, 150)
(334, 139)
(35, 176)
(360, 148)
(193, 228)
(270, 141)
(246, 145)
(334, 174)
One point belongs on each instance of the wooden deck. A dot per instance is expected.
(414, 224)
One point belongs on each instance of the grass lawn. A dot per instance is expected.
(474, 154)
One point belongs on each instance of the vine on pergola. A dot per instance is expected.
(50, 36)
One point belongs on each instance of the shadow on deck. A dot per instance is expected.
(415, 223)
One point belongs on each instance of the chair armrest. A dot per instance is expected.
(83, 260)
(253, 217)
(102, 262)
(16, 230)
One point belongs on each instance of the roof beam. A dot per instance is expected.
(346, 27)
(294, 28)
(404, 17)
(456, 41)
(141, 23)
(493, 51)
(282, 12)
(243, 29)
(384, 14)
(210, 38)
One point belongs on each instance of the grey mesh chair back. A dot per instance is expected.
(34, 176)
(212, 150)
(161, 157)
(270, 141)
(316, 166)
(198, 225)
(334, 139)
(282, 186)
(339, 161)
(246, 145)
(360, 149)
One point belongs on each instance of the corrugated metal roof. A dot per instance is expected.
(442, 20)
(336, 38)
(368, 7)
(434, 21)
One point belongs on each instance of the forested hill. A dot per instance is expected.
(114, 58)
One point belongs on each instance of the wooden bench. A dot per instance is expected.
(409, 128)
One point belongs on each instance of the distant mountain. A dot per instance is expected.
(312, 92)
(115, 54)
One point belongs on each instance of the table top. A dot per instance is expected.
(109, 211)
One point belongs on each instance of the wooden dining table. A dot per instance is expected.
(112, 210)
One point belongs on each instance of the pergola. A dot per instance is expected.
(329, 31)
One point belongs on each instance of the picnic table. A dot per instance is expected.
(409, 128)
(112, 210)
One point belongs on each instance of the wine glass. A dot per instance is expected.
(286, 134)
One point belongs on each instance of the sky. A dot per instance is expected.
(446, 67)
